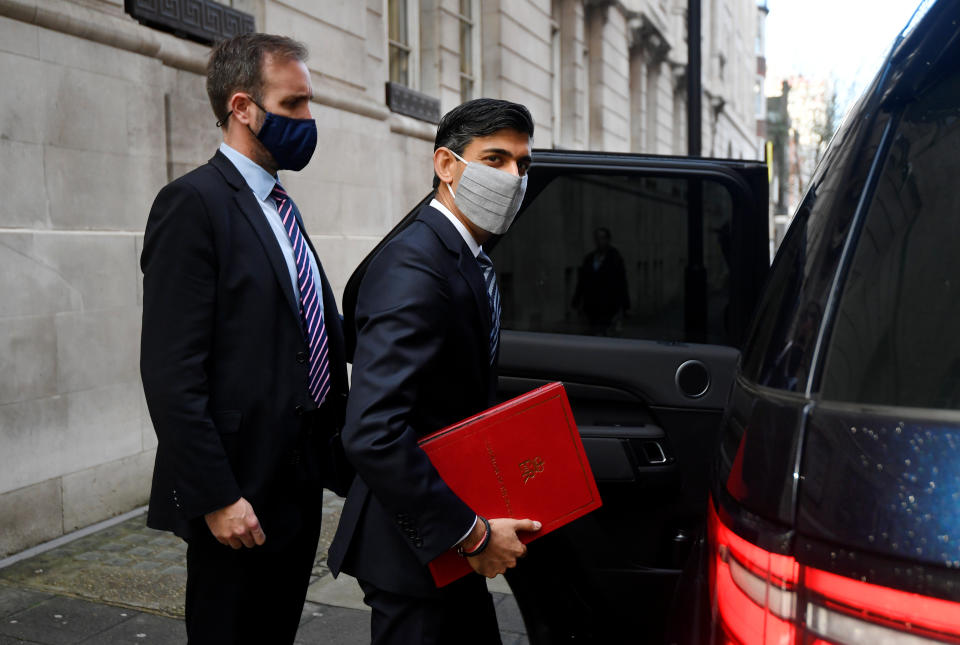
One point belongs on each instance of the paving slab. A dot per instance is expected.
(508, 614)
(339, 625)
(61, 621)
(514, 639)
(144, 628)
(13, 600)
(7, 640)
(342, 591)
(499, 585)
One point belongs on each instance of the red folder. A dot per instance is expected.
(521, 459)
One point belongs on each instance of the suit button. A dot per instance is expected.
(301, 357)
(298, 410)
(418, 543)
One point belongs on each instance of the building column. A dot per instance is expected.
(638, 102)
(678, 74)
(648, 51)
(654, 123)
(573, 75)
(609, 76)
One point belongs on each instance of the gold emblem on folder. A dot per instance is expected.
(529, 468)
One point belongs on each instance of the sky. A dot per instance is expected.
(843, 41)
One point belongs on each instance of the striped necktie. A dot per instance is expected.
(493, 298)
(311, 313)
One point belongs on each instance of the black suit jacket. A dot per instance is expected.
(223, 353)
(421, 363)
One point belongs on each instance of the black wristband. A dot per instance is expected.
(477, 550)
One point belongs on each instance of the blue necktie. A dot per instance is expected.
(493, 298)
(311, 313)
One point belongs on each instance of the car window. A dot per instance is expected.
(895, 340)
(779, 350)
(607, 255)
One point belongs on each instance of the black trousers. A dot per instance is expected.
(256, 595)
(462, 614)
(249, 595)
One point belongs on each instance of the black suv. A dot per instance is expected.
(778, 463)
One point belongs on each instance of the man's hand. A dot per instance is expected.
(236, 525)
(504, 547)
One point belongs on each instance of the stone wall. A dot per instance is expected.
(82, 152)
(97, 114)
(729, 76)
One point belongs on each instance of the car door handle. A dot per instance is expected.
(653, 452)
(618, 453)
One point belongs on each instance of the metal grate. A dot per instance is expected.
(403, 100)
(204, 21)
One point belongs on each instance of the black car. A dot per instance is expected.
(777, 448)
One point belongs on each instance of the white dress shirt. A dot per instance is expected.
(261, 183)
(467, 236)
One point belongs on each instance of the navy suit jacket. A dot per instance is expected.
(223, 353)
(421, 363)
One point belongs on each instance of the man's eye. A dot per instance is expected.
(492, 159)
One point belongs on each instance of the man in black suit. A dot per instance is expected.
(242, 355)
(427, 343)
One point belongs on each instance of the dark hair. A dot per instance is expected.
(479, 118)
(236, 65)
(601, 229)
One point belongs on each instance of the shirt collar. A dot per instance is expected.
(464, 232)
(260, 181)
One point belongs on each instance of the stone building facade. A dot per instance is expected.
(98, 112)
(802, 119)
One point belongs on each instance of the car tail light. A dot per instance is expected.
(764, 598)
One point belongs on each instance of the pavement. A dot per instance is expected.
(124, 583)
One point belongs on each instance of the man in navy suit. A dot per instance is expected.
(242, 355)
(427, 320)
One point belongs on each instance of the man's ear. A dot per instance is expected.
(244, 110)
(445, 165)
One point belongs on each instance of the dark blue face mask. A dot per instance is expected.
(290, 141)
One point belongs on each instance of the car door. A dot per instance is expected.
(644, 333)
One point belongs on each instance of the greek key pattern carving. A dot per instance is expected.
(204, 21)
(403, 100)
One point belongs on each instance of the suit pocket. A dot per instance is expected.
(227, 421)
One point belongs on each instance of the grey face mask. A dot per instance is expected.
(488, 197)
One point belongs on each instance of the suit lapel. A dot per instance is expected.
(250, 207)
(467, 267)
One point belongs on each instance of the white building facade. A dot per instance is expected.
(99, 111)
